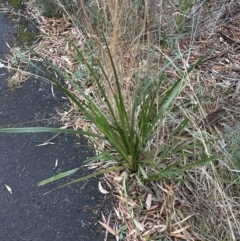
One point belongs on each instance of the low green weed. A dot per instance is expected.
(232, 140)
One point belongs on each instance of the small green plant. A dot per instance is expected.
(180, 22)
(128, 134)
(54, 8)
(232, 140)
(16, 3)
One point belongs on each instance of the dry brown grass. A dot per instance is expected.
(203, 204)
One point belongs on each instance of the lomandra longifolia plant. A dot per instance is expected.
(127, 134)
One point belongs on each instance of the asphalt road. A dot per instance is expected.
(68, 214)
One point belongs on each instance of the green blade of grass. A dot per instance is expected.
(59, 176)
(51, 179)
(166, 101)
(48, 129)
(168, 173)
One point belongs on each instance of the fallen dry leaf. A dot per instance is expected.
(149, 201)
(212, 118)
(1, 65)
(108, 228)
(8, 188)
(46, 143)
(101, 189)
(56, 164)
(138, 225)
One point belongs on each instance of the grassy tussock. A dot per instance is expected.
(199, 203)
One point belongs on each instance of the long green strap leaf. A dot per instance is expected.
(48, 129)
